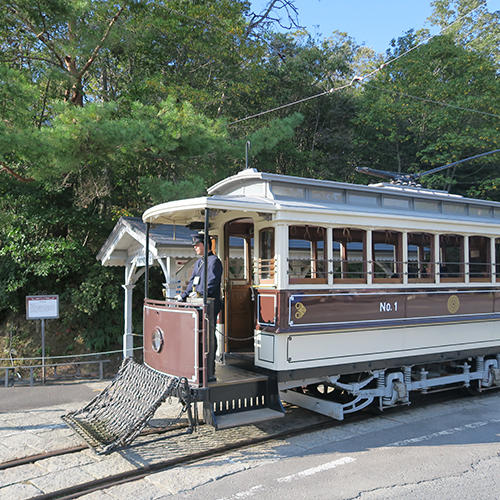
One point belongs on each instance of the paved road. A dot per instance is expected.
(444, 451)
(37, 396)
(447, 451)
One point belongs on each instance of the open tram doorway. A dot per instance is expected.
(238, 292)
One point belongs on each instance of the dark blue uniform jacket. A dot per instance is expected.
(214, 276)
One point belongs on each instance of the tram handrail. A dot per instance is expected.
(341, 269)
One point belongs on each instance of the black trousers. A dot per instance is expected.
(214, 307)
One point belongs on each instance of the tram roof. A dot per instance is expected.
(192, 209)
(253, 191)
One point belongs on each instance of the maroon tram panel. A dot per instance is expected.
(172, 339)
(295, 310)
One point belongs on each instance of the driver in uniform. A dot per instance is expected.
(196, 288)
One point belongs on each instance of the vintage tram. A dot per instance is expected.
(336, 296)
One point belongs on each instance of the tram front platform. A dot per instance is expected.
(240, 395)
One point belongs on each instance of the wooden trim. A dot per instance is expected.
(421, 280)
(387, 280)
(304, 281)
(267, 281)
(349, 280)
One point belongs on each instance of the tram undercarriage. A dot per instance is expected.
(336, 396)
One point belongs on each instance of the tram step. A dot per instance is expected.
(247, 417)
(242, 400)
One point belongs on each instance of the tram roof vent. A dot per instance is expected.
(414, 189)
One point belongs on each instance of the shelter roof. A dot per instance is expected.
(127, 241)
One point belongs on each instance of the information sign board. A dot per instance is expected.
(42, 307)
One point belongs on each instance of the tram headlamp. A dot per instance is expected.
(157, 340)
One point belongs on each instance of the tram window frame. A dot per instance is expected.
(388, 237)
(347, 238)
(479, 247)
(313, 235)
(266, 267)
(497, 258)
(454, 270)
(424, 265)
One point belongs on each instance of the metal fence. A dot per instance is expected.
(24, 371)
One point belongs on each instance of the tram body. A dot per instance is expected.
(333, 289)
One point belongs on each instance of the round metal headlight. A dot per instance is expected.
(157, 340)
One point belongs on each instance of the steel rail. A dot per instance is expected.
(141, 472)
(29, 459)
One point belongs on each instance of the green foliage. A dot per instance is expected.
(107, 108)
(161, 191)
(402, 125)
(48, 246)
(470, 25)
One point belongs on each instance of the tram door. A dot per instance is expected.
(238, 304)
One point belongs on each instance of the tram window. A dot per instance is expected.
(387, 256)
(497, 257)
(307, 256)
(239, 247)
(265, 266)
(420, 257)
(451, 249)
(479, 258)
(349, 255)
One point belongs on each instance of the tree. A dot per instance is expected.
(62, 39)
(96, 121)
(470, 24)
(433, 106)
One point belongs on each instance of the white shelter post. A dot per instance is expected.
(128, 338)
(170, 284)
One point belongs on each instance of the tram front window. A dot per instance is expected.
(266, 256)
(239, 248)
(307, 258)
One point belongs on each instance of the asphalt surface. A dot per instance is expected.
(51, 394)
(446, 450)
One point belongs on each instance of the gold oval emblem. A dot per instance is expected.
(301, 310)
(453, 304)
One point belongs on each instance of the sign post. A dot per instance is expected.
(42, 307)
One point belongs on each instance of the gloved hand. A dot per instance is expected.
(179, 298)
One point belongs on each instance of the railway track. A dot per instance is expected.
(29, 459)
(183, 449)
(190, 458)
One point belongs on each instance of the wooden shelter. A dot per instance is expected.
(170, 247)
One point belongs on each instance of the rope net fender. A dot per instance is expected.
(118, 414)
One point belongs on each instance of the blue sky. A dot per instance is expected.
(372, 22)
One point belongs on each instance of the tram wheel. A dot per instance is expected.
(329, 392)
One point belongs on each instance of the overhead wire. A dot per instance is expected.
(353, 80)
(441, 103)
(357, 78)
